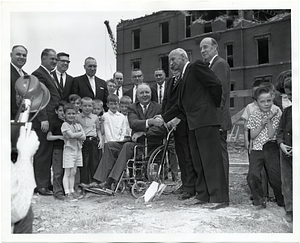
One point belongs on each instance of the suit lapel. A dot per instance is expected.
(88, 83)
(214, 61)
(57, 84)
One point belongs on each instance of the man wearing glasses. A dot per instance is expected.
(64, 80)
(89, 85)
(137, 77)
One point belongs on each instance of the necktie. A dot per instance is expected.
(160, 94)
(56, 83)
(21, 72)
(144, 109)
(61, 82)
(117, 92)
(92, 82)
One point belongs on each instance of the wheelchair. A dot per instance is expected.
(146, 167)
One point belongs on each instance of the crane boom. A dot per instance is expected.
(111, 37)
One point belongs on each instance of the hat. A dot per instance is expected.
(29, 87)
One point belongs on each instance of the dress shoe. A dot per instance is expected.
(83, 185)
(178, 191)
(185, 196)
(104, 185)
(288, 217)
(93, 184)
(215, 206)
(260, 205)
(44, 191)
(194, 201)
(60, 197)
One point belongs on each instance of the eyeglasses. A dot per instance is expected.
(66, 61)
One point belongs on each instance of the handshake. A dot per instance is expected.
(156, 121)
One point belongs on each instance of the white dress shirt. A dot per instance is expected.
(92, 83)
(64, 77)
(114, 126)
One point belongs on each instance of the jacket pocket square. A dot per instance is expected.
(101, 87)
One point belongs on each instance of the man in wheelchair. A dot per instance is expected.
(142, 123)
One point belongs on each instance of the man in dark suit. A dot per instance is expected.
(181, 139)
(140, 117)
(209, 51)
(118, 78)
(89, 85)
(137, 77)
(160, 85)
(42, 158)
(18, 57)
(199, 97)
(64, 80)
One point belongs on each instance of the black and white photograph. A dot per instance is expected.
(150, 121)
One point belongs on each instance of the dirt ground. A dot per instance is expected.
(122, 213)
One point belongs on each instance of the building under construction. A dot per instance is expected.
(256, 44)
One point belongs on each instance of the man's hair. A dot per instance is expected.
(46, 52)
(261, 90)
(214, 43)
(16, 46)
(126, 100)
(116, 73)
(112, 98)
(160, 69)
(73, 97)
(136, 70)
(181, 52)
(97, 102)
(143, 83)
(69, 106)
(87, 99)
(282, 78)
(89, 58)
(62, 54)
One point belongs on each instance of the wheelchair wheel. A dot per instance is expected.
(138, 189)
(121, 187)
(154, 161)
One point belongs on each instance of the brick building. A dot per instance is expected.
(256, 44)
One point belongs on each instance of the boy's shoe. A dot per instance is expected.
(77, 195)
(288, 217)
(260, 205)
(60, 197)
(70, 197)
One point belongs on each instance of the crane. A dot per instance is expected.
(111, 37)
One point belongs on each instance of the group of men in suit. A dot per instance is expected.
(202, 106)
(52, 73)
(195, 99)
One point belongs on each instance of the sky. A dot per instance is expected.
(81, 34)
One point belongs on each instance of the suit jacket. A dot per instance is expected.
(67, 89)
(199, 96)
(14, 75)
(222, 70)
(124, 90)
(155, 91)
(82, 87)
(170, 98)
(47, 114)
(153, 94)
(137, 121)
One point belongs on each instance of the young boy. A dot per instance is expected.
(125, 101)
(90, 153)
(76, 101)
(250, 108)
(114, 123)
(263, 124)
(284, 140)
(56, 136)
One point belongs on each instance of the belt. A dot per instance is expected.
(90, 138)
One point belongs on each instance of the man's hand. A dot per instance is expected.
(44, 126)
(136, 135)
(173, 123)
(156, 121)
(287, 150)
(27, 145)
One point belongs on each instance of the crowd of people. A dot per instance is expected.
(88, 129)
